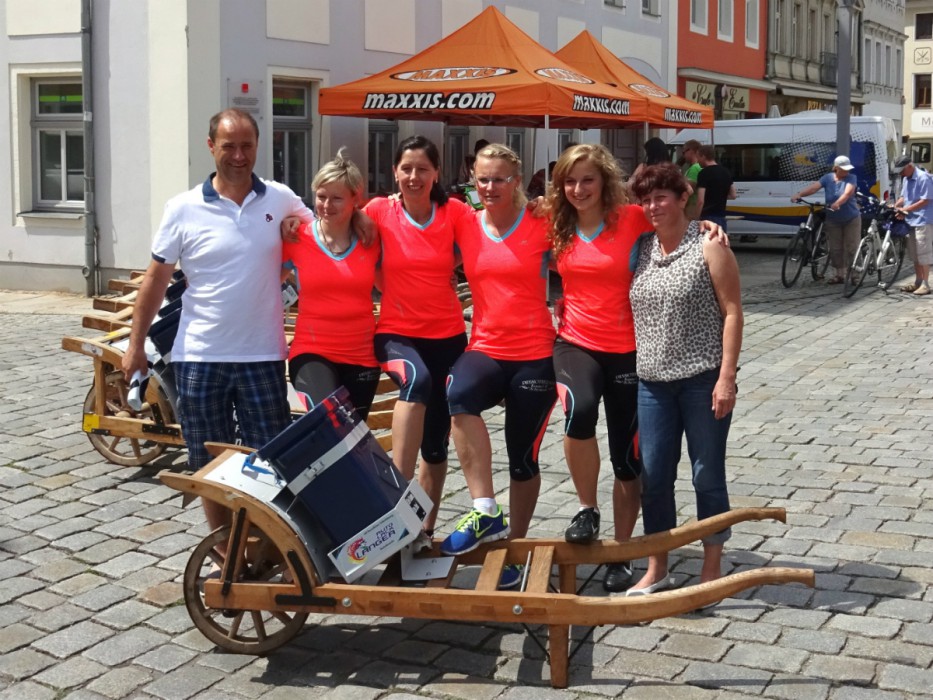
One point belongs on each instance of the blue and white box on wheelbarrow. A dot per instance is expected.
(333, 464)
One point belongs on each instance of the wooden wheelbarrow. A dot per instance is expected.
(257, 595)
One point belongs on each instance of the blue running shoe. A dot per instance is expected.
(473, 529)
(511, 576)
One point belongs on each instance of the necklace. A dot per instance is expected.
(331, 243)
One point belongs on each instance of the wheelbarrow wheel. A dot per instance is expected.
(240, 631)
(129, 452)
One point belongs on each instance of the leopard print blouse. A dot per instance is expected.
(678, 323)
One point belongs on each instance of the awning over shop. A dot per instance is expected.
(487, 72)
(591, 58)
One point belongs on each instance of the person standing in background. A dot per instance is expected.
(691, 169)
(916, 203)
(843, 219)
(714, 187)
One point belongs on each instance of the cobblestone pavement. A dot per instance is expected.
(832, 424)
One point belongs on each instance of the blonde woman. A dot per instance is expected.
(333, 342)
(505, 256)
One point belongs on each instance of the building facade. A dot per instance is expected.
(918, 73)
(803, 56)
(721, 55)
(158, 70)
(882, 40)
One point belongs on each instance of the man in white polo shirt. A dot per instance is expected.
(230, 349)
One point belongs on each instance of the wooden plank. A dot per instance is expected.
(465, 605)
(540, 574)
(385, 385)
(380, 420)
(608, 551)
(558, 642)
(492, 571)
(385, 404)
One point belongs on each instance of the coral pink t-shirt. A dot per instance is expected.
(508, 280)
(335, 299)
(418, 297)
(596, 276)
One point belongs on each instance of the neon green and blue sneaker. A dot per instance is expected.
(473, 529)
(511, 576)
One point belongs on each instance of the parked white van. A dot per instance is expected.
(772, 159)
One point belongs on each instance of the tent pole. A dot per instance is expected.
(547, 159)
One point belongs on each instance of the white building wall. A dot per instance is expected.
(883, 80)
(163, 68)
(44, 251)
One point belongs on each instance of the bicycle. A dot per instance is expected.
(876, 255)
(807, 247)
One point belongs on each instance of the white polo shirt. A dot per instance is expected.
(232, 258)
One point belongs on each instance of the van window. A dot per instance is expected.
(795, 162)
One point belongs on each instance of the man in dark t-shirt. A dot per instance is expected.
(714, 187)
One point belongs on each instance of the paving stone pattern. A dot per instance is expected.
(833, 423)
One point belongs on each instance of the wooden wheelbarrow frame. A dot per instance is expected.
(300, 590)
(135, 438)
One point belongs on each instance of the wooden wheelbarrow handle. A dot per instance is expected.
(608, 551)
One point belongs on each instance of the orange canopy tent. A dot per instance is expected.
(589, 56)
(487, 72)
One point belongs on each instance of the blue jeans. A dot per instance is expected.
(667, 410)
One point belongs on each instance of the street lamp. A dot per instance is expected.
(847, 10)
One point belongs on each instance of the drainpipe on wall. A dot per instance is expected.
(91, 270)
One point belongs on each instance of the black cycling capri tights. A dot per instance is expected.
(478, 382)
(318, 377)
(583, 376)
(420, 366)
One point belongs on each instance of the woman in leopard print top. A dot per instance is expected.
(688, 332)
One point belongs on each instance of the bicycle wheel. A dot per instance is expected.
(892, 257)
(819, 260)
(795, 257)
(860, 268)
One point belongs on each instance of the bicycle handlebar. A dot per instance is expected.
(812, 205)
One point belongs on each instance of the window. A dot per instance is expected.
(698, 16)
(795, 30)
(751, 23)
(829, 34)
(794, 162)
(58, 143)
(924, 26)
(724, 30)
(650, 7)
(615, 3)
(898, 67)
(879, 66)
(291, 136)
(458, 148)
(515, 139)
(889, 67)
(866, 62)
(922, 85)
(779, 27)
(813, 50)
(565, 137)
(383, 140)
